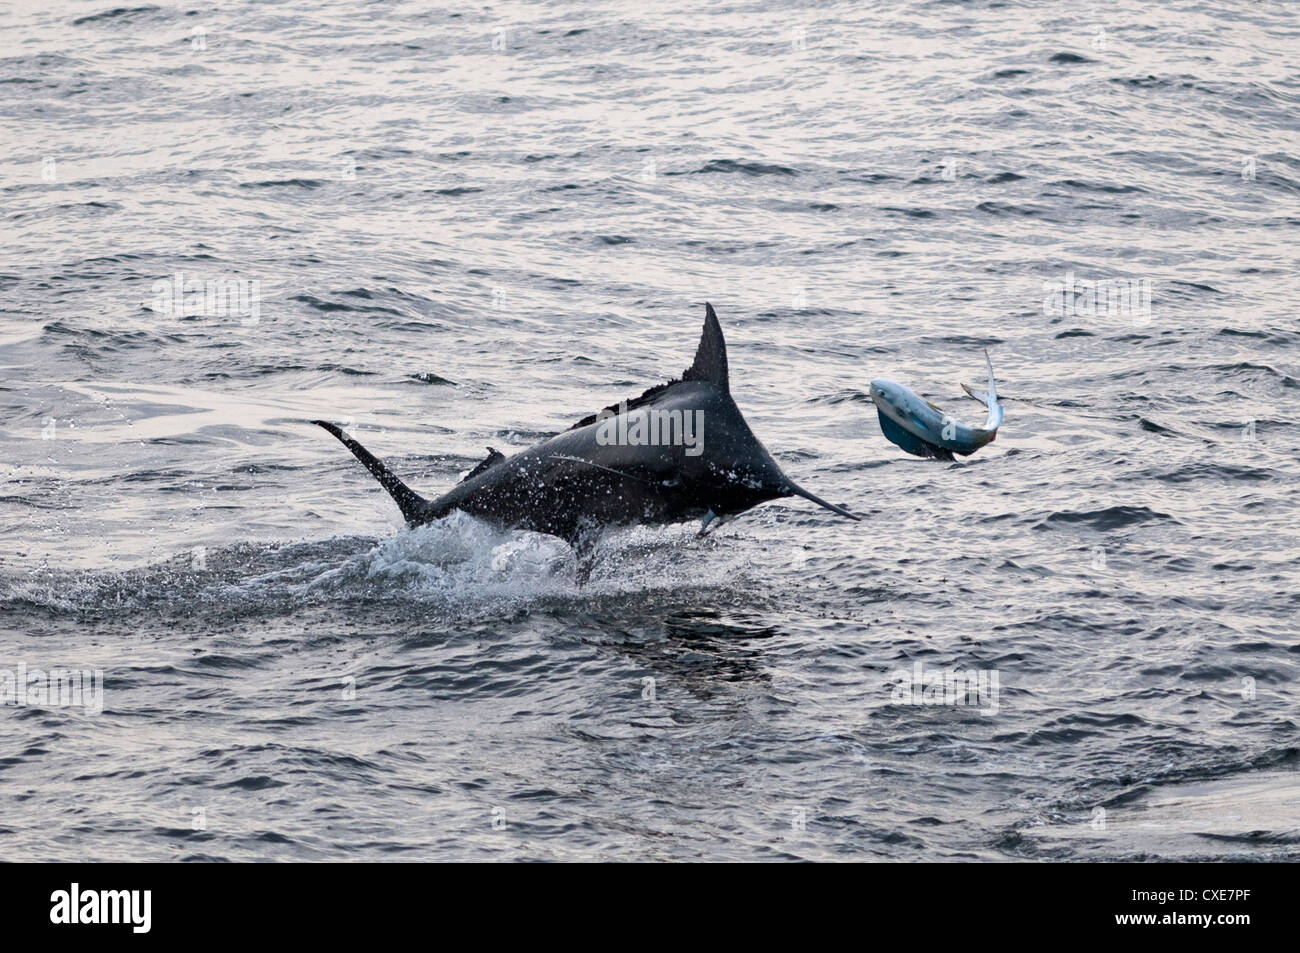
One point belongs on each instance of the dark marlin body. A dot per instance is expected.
(574, 486)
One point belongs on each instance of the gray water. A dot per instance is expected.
(471, 226)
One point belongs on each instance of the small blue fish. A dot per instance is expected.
(923, 429)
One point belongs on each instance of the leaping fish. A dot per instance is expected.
(926, 430)
(586, 480)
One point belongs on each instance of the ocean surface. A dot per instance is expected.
(457, 226)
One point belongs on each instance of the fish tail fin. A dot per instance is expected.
(993, 385)
(415, 508)
(988, 398)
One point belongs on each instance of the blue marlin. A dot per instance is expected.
(925, 429)
(588, 479)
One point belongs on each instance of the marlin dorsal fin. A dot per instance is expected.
(711, 357)
(492, 459)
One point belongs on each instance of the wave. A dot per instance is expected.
(458, 565)
(1105, 519)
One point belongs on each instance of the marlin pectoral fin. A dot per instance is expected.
(599, 466)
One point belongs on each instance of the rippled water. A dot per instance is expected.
(471, 226)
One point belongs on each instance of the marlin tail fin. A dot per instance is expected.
(413, 506)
